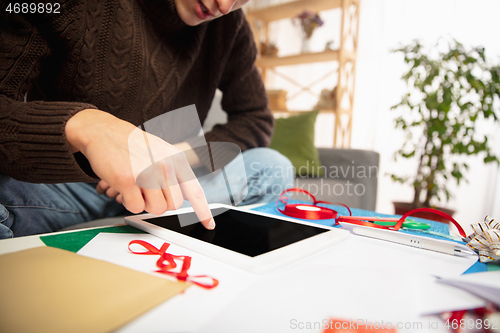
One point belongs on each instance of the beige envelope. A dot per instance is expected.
(51, 290)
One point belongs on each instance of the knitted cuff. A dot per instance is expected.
(41, 142)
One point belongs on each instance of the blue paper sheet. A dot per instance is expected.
(437, 230)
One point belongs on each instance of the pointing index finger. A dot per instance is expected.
(194, 193)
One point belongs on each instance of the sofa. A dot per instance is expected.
(350, 177)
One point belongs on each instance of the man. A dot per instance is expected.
(74, 84)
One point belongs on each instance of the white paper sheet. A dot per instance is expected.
(360, 278)
(373, 253)
(316, 293)
(184, 312)
(435, 298)
(485, 284)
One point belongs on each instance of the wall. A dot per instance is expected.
(383, 25)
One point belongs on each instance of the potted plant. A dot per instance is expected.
(449, 93)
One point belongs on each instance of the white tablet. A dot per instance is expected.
(255, 241)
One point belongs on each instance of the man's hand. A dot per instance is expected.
(109, 143)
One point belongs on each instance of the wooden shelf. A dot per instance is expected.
(303, 58)
(293, 8)
(294, 113)
(345, 56)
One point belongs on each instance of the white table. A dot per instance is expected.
(360, 279)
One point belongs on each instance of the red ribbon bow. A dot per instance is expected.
(166, 263)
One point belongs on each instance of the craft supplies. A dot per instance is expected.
(485, 239)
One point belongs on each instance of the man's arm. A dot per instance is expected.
(250, 123)
(192, 158)
(111, 145)
(39, 138)
(33, 146)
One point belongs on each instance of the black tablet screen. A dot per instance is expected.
(242, 232)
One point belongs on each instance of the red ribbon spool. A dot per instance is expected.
(307, 211)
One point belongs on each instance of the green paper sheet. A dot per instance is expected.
(74, 241)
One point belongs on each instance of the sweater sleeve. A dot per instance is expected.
(250, 123)
(33, 146)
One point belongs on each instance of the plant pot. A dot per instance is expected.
(402, 208)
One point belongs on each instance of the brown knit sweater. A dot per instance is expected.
(132, 58)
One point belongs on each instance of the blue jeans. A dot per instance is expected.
(27, 208)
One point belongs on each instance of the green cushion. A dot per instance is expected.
(294, 138)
